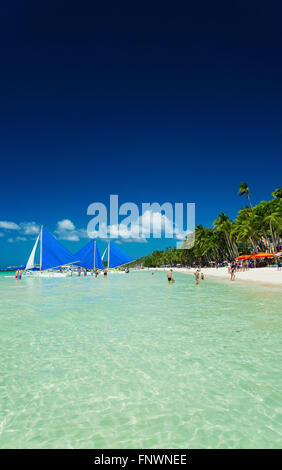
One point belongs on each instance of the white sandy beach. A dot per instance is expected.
(267, 276)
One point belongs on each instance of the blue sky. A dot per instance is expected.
(154, 103)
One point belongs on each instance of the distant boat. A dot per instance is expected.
(116, 257)
(89, 256)
(53, 255)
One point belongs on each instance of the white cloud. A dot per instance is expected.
(66, 231)
(151, 221)
(17, 239)
(30, 228)
(141, 229)
(65, 224)
(155, 221)
(9, 225)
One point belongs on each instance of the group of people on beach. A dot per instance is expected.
(197, 275)
(244, 265)
(239, 266)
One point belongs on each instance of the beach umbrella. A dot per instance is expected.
(263, 255)
(278, 254)
(244, 257)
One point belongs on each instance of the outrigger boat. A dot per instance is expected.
(57, 261)
(53, 257)
(89, 257)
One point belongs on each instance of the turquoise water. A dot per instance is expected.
(128, 362)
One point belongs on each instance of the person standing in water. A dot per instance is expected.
(197, 277)
(232, 271)
(17, 274)
(96, 272)
(202, 276)
(105, 272)
(169, 277)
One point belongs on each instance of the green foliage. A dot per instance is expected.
(277, 193)
(255, 228)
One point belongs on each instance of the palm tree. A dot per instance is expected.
(224, 225)
(262, 210)
(275, 222)
(247, 227)
(254, 228)
(244, 190)
(277, 193)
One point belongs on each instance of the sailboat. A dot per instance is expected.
(116, 257)
(53, 255)
(89, 256)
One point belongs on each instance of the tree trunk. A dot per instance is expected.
(252, 243)
(272, 236)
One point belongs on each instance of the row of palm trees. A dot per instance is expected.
(256, 228)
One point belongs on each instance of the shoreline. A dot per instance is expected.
(267, 276)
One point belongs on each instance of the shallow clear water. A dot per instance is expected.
(128, 362)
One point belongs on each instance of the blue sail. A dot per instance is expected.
(86, 256)
(117, 257)
(53, 253)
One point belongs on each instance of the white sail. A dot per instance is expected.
(30, 263)
(104, 254)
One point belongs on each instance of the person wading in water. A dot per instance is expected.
(197, 277)
(169, 277)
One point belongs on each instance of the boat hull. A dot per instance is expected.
(42, 274)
